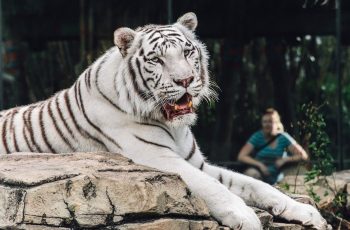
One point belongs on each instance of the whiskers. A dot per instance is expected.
(209, 93)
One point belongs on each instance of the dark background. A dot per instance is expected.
(263, 53)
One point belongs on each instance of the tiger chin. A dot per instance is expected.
(140, 99)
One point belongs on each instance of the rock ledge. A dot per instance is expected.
(98, 191)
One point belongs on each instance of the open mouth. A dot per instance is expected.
(180, 107)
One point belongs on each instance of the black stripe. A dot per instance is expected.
(157, 82)
(134, 82)
(98, 87)
(147, 70)
(31, 132)
(197, 87)
(81, 130)
(126, 90)
(140, 43)
(230, 184)
(4, 136)
(174, 43)
(180, 39)
(150, 52)
(76, 95)
(202, 166)
(141, 52)
(149, 79)
(154, 33)
(24, 129)
(193, 150)
(57, 128)
(158, 126)
(190, 54)
(92, 124)
(70, 112)
(165, 87)
(152, 143)
(88, 78)
(154, 40)
(172, 92)
(13, 131)
(62, 118)
(154, 46)
(220, 178)
(115, 85)
(138, 64)
(173, 34)
(167, 30)
(42, 129)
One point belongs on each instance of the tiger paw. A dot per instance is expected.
(305, 214)
(242, 218)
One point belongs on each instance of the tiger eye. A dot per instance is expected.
(157, 60)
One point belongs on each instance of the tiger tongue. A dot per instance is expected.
(168, 112)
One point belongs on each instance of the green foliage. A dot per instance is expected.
(313, 195)
(313, 127)
(285, 186)
(340, 199)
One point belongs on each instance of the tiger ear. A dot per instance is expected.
(123, 38)
(188, 20)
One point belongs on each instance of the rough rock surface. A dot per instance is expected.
(98, 191)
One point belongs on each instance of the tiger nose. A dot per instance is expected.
(184, 82)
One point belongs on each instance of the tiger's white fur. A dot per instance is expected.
(115, 105)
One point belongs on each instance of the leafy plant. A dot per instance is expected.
(313, 126)
(285, 186)
(313, 194)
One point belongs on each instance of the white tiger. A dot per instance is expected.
(139, 99)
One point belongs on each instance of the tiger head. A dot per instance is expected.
(167, 68)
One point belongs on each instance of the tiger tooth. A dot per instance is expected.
(189, 104)
(176, 107)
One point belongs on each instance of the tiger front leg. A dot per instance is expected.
(269, 198)
(259, 194)
(226, 207)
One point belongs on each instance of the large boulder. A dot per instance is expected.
(100, 191)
